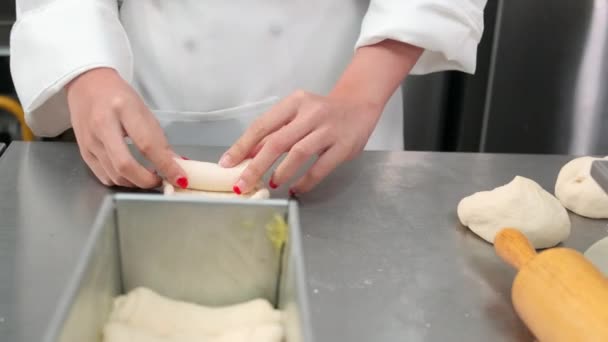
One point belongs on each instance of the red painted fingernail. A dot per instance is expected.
(291, 193)
(185, 158)
(272, 184)
(182, 182)
(236, 189)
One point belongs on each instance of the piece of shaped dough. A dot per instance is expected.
(260, 333)
(207, 176)
(521, 204)
(579, 192)
(598, 255)
(146, 310)
(258, 192)
(121, 332)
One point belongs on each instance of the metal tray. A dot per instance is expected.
(211, 252)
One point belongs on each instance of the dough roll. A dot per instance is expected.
(211, 176)
(144, 309)
(259, 192)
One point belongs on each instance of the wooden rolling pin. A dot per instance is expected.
(558, 293)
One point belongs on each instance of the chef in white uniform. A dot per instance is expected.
(110, 68)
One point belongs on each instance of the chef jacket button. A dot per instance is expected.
(276, 30)
(190, 45)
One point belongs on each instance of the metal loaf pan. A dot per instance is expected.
(210, 252)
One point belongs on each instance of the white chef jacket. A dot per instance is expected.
(200, 56)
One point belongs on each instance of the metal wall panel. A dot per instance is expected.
(549, 86)
(540, 86)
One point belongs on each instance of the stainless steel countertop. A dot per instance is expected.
(385, 255)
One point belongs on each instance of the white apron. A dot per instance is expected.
(236, 58)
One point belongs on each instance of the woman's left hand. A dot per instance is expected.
(335, 127)
(304, 125)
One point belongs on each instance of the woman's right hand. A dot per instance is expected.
(104, 109)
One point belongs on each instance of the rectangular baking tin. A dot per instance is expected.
(208, 251)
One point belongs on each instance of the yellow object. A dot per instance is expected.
(277, 231)
(14, 108)
(558, 293)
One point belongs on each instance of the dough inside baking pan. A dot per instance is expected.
(186, 269)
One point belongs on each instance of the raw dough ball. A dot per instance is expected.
(522, 204)
(598, 255)
(579, 192)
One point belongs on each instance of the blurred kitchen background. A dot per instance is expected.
(9, 125)
(540, 85)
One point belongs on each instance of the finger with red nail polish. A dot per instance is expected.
(182, 182)
(326, 163)
(272, 184)
(226, 161)
(302, 152)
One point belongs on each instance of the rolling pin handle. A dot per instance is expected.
(513, 247)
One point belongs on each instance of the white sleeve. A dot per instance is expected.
(448, 30)
(52, 42)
